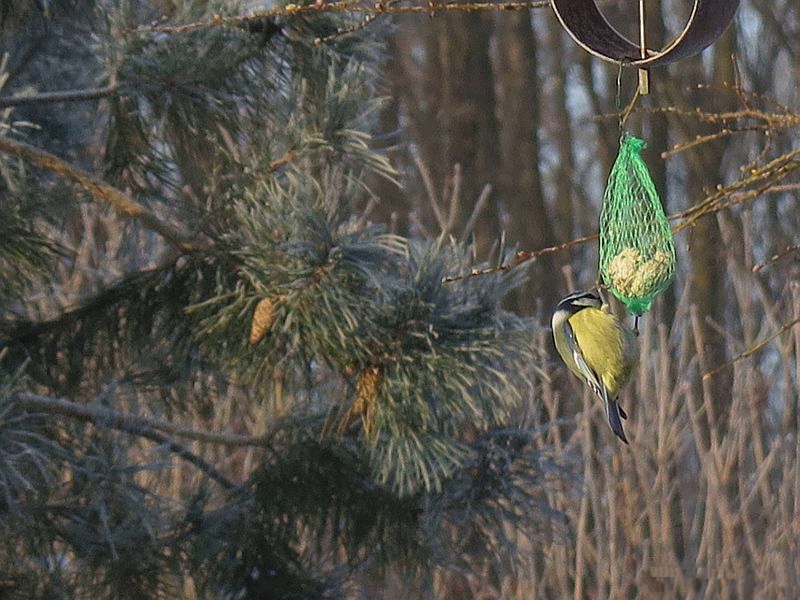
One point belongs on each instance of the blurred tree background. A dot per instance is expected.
(231, 361)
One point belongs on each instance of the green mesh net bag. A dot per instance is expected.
(637, 254)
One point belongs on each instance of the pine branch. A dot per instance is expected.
(182, 452)
(106, 417)
(60, 96)
(99, 190)
(13, 332)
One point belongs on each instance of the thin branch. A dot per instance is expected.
(283, 160)
(455, 198)
(343, 31)
(776, 257)
(292, 155)
(428, 183)
(768, 175)
(99, 190)
(23, 331)
(376, 8)
(103, 416)
(787, 187)
(476, 212)
(703, 139)
(60, 96)
(522, 257)
(750, 351)
(182, 452)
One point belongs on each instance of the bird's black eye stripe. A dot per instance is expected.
(591, 296)
(578, 300)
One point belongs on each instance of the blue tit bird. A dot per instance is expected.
(598, 348)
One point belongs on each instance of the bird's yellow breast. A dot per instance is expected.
(609, 350)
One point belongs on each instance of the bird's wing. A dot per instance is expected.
(613, 410)
(588, 374)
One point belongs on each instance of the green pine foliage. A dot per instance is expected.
(151, 445)
(26, 253)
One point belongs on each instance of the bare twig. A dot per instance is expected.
(291, 155)
(476, 212)
(60, 96)
(725, 196)
(376, 8)
(522, 257)
(703, 139)
(180, 451)
(776, 257)
(455, 198)
(428, 183)
(752, 350)
(99, 190)
(282, 161)
(350, 29)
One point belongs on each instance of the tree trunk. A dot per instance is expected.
(521, 196)
(455, 116)
(707, 277)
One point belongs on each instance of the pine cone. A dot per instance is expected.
(263, 318)
(369, 382)
(367, 386)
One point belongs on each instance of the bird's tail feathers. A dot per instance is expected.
(615, 415)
